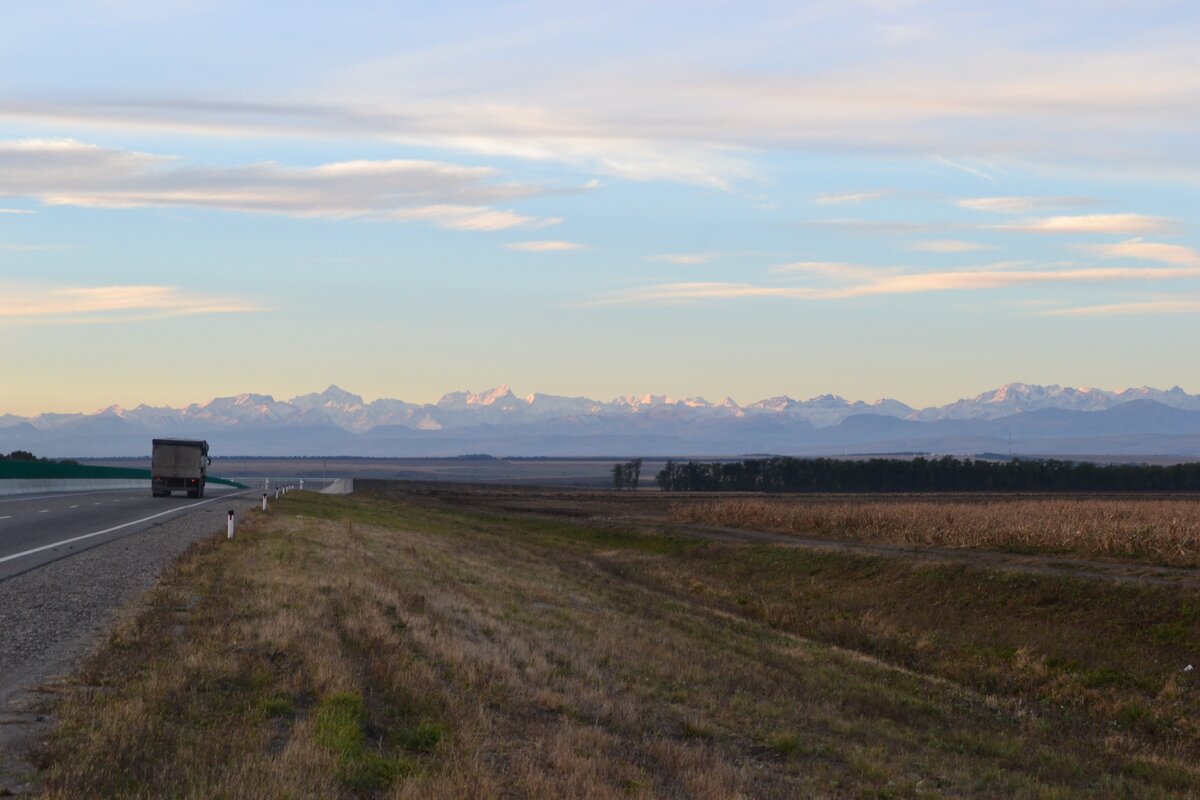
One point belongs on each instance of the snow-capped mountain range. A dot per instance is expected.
(542, 424)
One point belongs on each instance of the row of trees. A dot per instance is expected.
(21, 455)
(946, 474)
(627, 475)
(25, 455)
(18, 455)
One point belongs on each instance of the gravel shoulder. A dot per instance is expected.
(54, 616)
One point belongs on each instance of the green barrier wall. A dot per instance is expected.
(51, 470)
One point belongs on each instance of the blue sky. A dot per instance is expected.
(920, 200)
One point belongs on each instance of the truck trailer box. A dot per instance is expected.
(179, 465)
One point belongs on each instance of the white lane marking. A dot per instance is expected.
(7, 517)
(74, 506)
(24, 498)
(44, 511)
(114, 528)
(95, 504)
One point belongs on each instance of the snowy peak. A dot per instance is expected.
(256, 400)
(638, 401)
(500, 396)
(334, 398)
(549, 405)
(827, 401)
(773, 404)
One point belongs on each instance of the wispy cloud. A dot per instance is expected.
(1145, 251)
(16, 211)
(1115, 224)
(967, 168)
(1122, 309)
(460, 217)
(686, 259)
(1127, 224)
(864, 281)
(842, 198)
(67, 172)
(543, 247)
(948, 246)
(1021, 205)
(832, 269)
(998, 279)
(93, 304)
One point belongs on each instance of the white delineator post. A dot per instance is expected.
(264, 501)
(229, 530)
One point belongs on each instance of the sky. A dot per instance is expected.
(918, 200)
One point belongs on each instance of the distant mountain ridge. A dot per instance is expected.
(1026, 417)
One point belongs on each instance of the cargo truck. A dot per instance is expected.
(179, 465)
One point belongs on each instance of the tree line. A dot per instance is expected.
(627, 475)
(947, 474)
(25, 455)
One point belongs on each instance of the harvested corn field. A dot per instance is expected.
(1158, 530)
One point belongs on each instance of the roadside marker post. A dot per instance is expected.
(229, 530)
(264, 501)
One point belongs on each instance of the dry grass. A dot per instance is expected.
(1158, 530)
(349, 647)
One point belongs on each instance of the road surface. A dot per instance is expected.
(38, 529)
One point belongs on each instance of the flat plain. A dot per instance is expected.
(418, 640)
(586, 472)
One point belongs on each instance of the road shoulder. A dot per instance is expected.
(55, 615)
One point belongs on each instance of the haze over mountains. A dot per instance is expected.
(1017, 418)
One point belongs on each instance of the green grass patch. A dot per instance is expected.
(340, 722)
(424, 737)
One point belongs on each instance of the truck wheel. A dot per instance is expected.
(193, 493)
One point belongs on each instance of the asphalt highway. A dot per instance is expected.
(39, 529)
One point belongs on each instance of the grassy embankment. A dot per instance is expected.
(368, 646)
